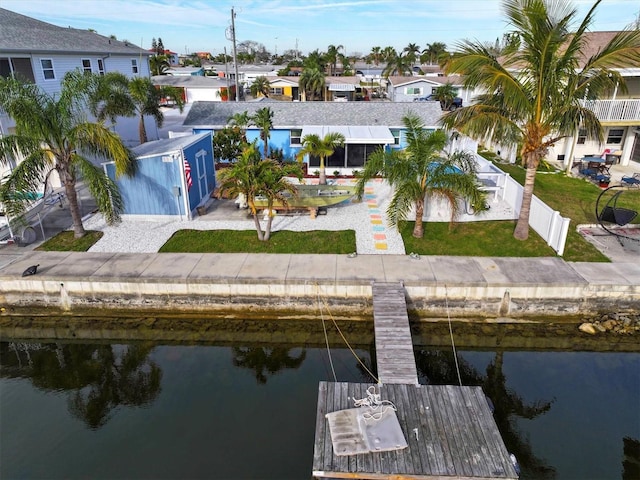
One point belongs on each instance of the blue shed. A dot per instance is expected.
(174, 177)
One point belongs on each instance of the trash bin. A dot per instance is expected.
(613, 158)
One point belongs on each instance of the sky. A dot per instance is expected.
(357, 25)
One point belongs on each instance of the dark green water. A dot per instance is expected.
(247, 411)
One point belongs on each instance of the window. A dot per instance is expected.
(100, 66)
(615, 136)
(5, 68)
(19, 68)
(277, 91)
(47, 69)
(86, 65)
(413, 91)
(296, 137)
(582, 137)
(134, 65)
(396, 135)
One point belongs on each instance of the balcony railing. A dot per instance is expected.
(615, 110)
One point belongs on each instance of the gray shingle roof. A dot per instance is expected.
(21, 34)
(299, 114)
(188, 81)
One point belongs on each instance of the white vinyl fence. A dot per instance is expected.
(548, 223)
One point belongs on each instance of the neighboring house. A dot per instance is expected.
(194, 88)
(407, 89)
(172, 57)
(619, 114)
(43, 53)
(284, 88)
(174, 177)
(366, 126)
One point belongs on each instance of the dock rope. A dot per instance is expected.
(375, 403)
(326, 341)
(453, 344)
(346, 342)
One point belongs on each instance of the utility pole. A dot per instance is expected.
(235, 59)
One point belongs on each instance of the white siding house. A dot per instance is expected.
(43, 53)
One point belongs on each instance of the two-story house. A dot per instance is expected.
(43, 53)
(618, 112)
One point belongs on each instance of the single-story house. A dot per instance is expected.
(194, 88)
(406, 89)
(174, 177)
(366, 126)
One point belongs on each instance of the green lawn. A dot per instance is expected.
(240, 241)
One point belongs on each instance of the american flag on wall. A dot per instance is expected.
(187, 173)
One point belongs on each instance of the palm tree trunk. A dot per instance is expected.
(418, 228)
(322, 178)
(256, 222)
(522, 227)
(74, 208)
(142, 131)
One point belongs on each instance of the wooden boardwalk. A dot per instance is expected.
(394, 348)
(450, 433)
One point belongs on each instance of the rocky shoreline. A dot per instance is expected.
(618, 323)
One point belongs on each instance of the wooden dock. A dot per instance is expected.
(450, 433)
(394, 348)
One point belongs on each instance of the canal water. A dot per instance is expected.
(229, 408)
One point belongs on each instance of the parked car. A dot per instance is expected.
(457, 102)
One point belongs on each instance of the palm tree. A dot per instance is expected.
(323, 147)
(119, 95)
(252, 176)
(374, 55)
(159, 64)
(52, 134)
(445, 94)
(434, 51)
(312, 81)
(315, 60)
(420, 172)
(332, 56)
(263, 119)
(261, 85)
(411, 53)
(534, 94)
(398, 65)
(240, 120)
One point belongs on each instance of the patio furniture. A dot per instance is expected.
(593, 169)
(633, 181)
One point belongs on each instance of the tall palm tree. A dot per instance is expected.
(53, 134)
(332, 56)
(420, 171)
(252, 175)
(411, 52)
(398, 65)
(534, 94)
(375, 55)
(323, 147)
(119, 95)
(262, 86)
(433, 52)
(312, 81)
(263, 119)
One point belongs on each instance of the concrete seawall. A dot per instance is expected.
(260, 284)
